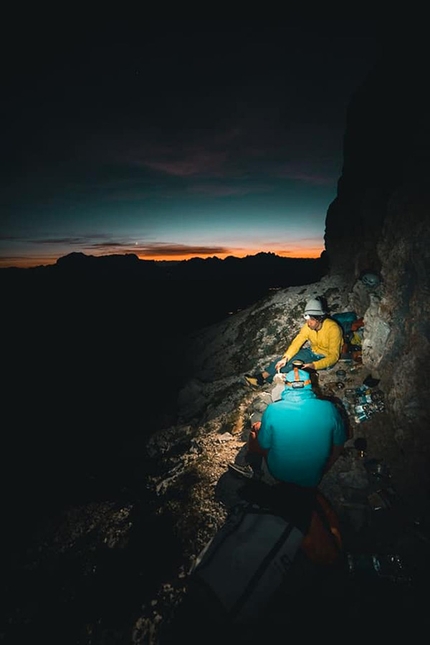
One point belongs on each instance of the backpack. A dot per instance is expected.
(246, 562)
(350, 324)
(345, 320)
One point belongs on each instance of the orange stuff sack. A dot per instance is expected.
(357, 324)
(322, 543)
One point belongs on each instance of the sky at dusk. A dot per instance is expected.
(173, 140)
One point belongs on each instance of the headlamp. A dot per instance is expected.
(297, 383)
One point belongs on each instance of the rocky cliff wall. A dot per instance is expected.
(380, 222)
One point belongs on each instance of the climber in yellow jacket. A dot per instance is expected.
(325, 338)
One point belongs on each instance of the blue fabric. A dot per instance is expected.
(306, 355)
(299, 431)
(345, 320)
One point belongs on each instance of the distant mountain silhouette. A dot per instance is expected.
(264, 267)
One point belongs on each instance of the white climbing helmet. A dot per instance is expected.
(314, 308)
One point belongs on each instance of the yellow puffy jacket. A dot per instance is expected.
(327, 341)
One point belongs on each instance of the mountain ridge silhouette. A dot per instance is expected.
(264, 266)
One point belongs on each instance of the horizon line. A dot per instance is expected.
(26, 263)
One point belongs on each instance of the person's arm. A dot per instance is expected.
(296, 344)
(309, 366)
(265, 432)
(255, 429)
(253, 443)
(339, 438)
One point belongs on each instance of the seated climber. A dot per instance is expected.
(298, 438)
(325, 338)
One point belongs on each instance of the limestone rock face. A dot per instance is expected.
(380, 221)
